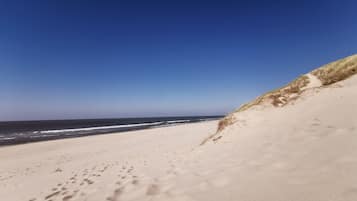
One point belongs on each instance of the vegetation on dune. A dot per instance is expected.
(278, 98)
(226, 121)
(337, 71)
(327, 74)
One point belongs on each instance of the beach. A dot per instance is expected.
(130, 165)
(296, 145)
(178, 100)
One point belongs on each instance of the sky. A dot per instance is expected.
(71, 59)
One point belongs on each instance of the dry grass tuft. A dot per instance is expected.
(279, 97)
(223, 123)
(226, 121)
(337, 71)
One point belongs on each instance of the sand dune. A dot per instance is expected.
(303, 151)
(301, 147)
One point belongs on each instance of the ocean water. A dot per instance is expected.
(17, 132)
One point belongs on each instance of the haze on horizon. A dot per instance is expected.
(108, 59)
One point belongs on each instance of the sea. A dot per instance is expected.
(18, 132)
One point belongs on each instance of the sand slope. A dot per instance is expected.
(306, 150)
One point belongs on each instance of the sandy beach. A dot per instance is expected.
(296, 145)
(178, 100)
(132, 165)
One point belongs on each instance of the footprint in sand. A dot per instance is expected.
(135, 182)
(116, 194)
(68, 197)
(316, 122)
(58, 170)
(88, 181)
(87, 177)
(54, 194)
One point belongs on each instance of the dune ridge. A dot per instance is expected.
(323, 76)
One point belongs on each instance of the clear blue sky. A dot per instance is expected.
(100, 59)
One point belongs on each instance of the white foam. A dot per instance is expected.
(208, 119)
(8, 138)
(100, 127)
(177, 121)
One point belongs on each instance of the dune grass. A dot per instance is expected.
(278, 98)
(327, 74)
(337, 71)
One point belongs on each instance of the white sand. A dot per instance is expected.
(313, 82)
(305, 151)
(131, 165)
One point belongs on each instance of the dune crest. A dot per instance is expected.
(323, 76)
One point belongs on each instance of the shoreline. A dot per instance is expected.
(50, 137)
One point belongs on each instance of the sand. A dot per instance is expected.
(304, 151)
(128, 165)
